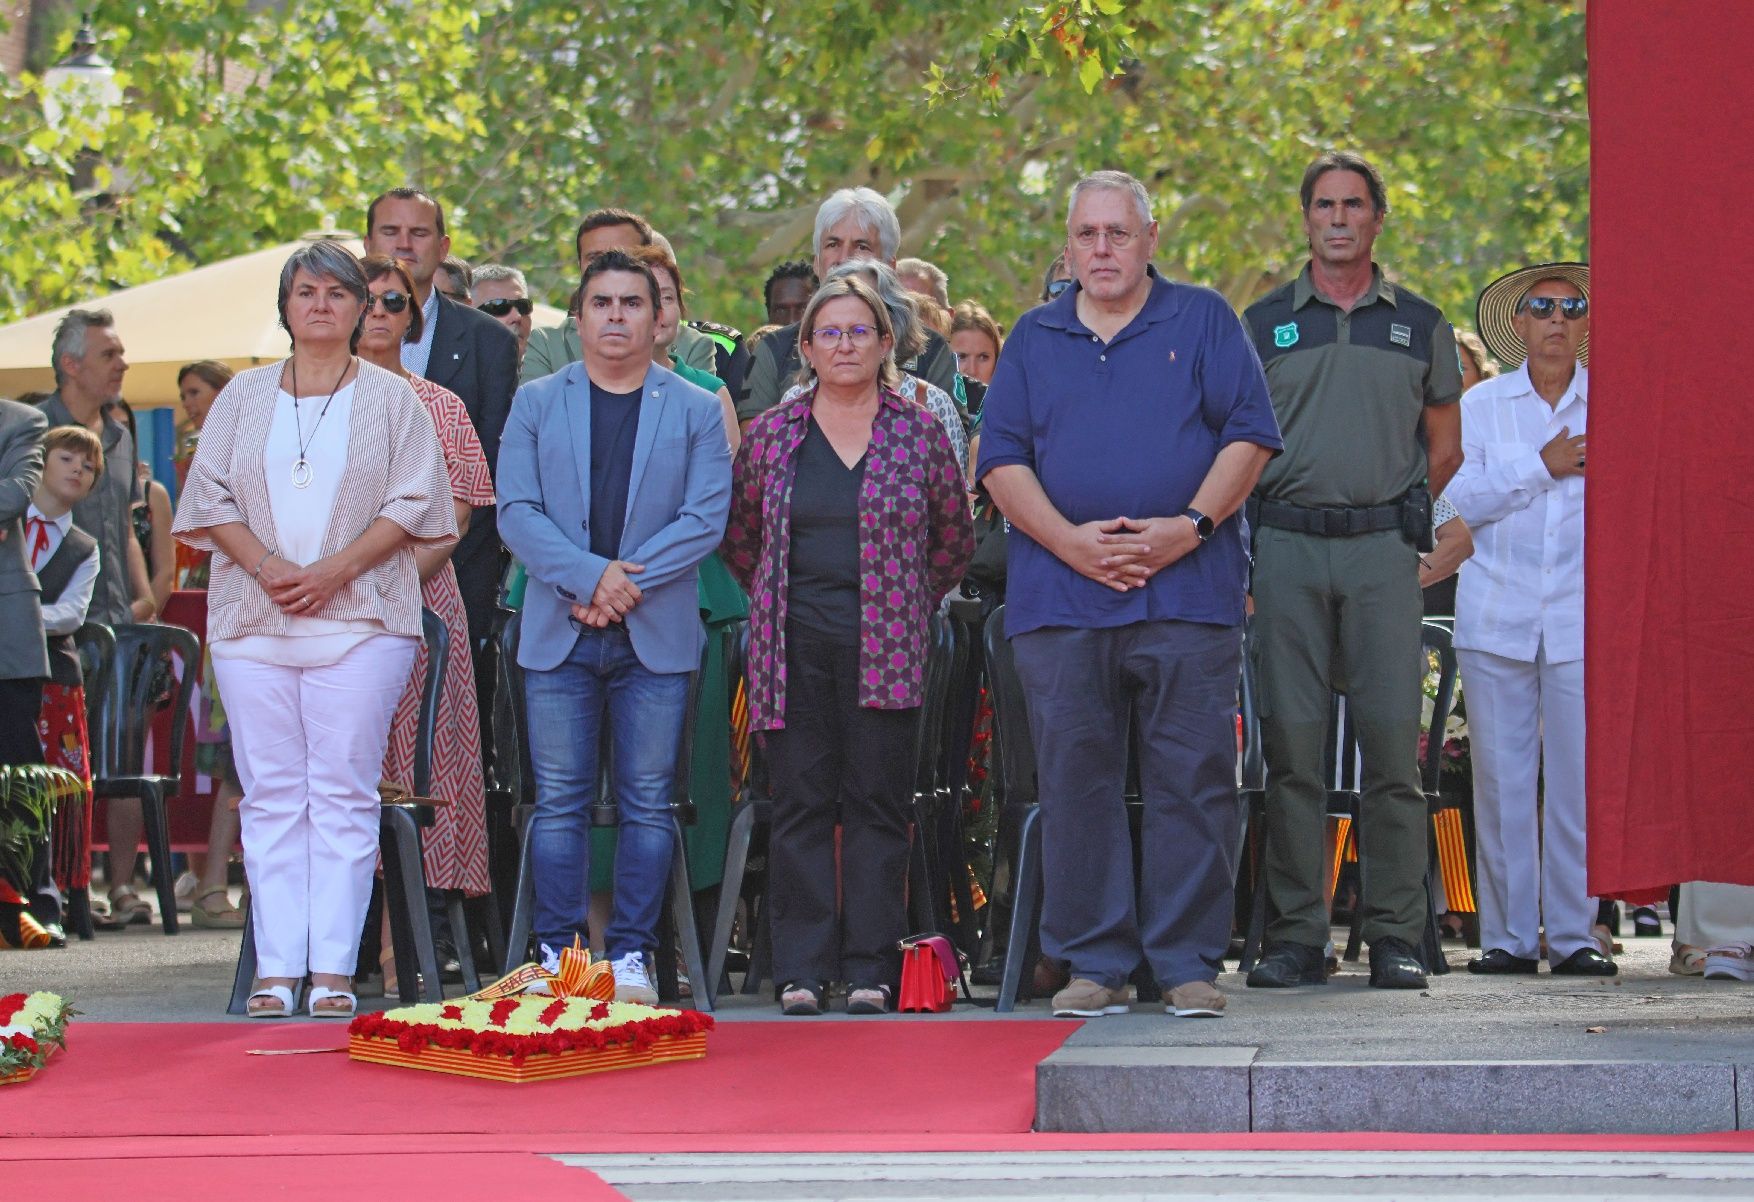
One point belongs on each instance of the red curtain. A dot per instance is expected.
(1670, 535)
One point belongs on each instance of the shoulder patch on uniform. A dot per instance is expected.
(1401, 335)
(1285, 335)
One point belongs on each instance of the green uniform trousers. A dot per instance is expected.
(1340, 615)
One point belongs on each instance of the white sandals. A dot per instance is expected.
(322, 993)
(281, 994)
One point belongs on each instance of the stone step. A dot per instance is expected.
(1212, 1089)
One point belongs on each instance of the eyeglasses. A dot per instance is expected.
(1117, 237)
(1541, 307)
(393, 302)
(856, 335)
(499, 308)
(1055, 287)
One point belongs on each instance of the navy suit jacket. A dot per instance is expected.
(476, 357)
(678, 497)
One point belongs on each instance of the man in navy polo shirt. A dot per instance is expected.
(1126, 424)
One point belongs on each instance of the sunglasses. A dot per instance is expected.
(1541, 307)
(499, 308)
(1057, 287)
(393, 302)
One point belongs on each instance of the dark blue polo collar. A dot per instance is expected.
(1163, 302)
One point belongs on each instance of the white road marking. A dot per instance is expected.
(1146, 1176)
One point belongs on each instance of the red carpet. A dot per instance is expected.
(197, 1079)
(436, 1174)
(764, 1087)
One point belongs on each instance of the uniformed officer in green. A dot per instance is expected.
(1364, 379)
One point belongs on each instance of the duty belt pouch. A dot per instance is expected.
(1416, 518)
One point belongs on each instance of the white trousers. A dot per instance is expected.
(309, 745)
(1715, 915)
(1523, 719)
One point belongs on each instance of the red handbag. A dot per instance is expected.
(930, 969)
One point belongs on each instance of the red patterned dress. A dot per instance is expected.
(456, 844)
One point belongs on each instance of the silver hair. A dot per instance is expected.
(662, 242)
(910, 333)
(873, 211)
(1117, 181)
(489, 273)
(70, 335)
(326, 259)
(940, 282)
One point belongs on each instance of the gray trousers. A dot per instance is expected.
(1175, 682)
(1341, 614)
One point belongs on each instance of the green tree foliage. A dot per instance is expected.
(726, 121)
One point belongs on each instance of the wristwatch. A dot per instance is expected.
(1203, 525)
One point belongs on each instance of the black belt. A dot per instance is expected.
(1327, 521)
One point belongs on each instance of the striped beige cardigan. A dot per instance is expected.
(395, 469)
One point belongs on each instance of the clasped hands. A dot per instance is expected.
(615, 595)
(301, 591)
(1124, 553)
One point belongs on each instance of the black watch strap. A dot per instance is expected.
(1203, 525)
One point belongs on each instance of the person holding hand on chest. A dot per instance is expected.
(1519, 622)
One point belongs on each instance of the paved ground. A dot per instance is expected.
(1147, 1176)
(1644, 1014)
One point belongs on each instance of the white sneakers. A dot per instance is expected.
(632, 983)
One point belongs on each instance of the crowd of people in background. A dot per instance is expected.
(1168, 497)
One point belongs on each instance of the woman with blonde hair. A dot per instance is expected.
(848, 526)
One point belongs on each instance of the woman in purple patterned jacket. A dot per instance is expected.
(848, 525)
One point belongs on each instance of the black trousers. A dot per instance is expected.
(20, 703)
(838, 763)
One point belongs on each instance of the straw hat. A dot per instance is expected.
(1499, 299)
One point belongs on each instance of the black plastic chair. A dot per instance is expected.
(928, 857)
(604, 813)
(400, 825)
(1020, 809)
(119, 728)
(399, 844)
(96, 644)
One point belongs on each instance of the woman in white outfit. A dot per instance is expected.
(314, 480)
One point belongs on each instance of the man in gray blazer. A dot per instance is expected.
(614, 483)
(24, 656)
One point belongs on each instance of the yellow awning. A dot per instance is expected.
(224, 311)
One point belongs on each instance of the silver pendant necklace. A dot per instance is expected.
(302, 475)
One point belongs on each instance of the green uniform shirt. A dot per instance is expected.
(1349, 389)
(553, 347)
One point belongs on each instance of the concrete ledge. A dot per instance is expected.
(1098, 1089)
(1493, 1098)
(1114, 1089)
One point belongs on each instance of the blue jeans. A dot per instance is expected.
(602, 679)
